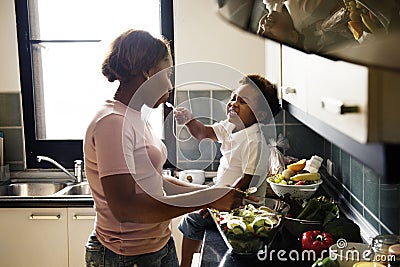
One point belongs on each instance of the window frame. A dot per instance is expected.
(66, 151)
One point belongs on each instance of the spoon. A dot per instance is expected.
(249, 191)
(169, 105)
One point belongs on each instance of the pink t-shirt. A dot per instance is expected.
(119, 141)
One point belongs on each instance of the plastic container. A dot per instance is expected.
(368, 264)
(351, 254)
(380, 247)
(394, 252)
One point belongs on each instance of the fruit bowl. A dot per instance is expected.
(249, 229)
(296, 191)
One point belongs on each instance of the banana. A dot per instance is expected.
(306, 177)
(371, 26)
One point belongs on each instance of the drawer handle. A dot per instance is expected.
(337, 107)
(44, 217)
(289, 90)
(83, 217)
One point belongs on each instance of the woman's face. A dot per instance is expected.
(242, 105)
(160, 82)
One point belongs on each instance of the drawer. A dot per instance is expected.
(337, 94)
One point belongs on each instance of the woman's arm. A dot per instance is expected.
(173, 186)
(128, 206)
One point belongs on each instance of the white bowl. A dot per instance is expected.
(295, 191)
(349, 255)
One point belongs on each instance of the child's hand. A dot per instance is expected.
(182, 115)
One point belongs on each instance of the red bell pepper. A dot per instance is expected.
(317, 241)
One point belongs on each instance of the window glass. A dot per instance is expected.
(61, 47)
(69, 41)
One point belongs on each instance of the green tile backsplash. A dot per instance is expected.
(378, 203)
(11, 126)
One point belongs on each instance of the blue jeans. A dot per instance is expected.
(193, 225)
(99, 256)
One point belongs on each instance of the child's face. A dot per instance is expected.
(242, 105)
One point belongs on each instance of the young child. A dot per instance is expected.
(243, 147)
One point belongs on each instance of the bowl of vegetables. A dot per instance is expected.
(309, 215)
(247, 229)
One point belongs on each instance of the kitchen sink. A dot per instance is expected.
(78, 189)
(31, 189)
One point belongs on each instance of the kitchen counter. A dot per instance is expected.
(46, 202)
(281, 253)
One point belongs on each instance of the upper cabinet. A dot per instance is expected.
(365, 32)
(355, 100)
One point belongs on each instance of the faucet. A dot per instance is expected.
(78, 171)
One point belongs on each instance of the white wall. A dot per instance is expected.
(9, 70)
(202, 35)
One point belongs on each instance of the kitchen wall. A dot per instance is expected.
(201, 36)
(10, 98)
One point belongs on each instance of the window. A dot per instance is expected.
(61, 48)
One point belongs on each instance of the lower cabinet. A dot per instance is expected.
(80, 225)
(44, 236)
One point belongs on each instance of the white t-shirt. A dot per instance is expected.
(243, 152)
(118, 141)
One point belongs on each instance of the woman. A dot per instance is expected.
(123, 161)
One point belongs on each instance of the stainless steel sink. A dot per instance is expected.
(78, 189)
(31, 189)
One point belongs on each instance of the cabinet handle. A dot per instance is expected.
(289, 90)
(44, 217)
(337, 107)
(83, 217)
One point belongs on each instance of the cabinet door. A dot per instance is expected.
(294, 77)
(33, 237)
(338, 95)
(273, 62)
(80, 225)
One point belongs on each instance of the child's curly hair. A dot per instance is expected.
(267, 89)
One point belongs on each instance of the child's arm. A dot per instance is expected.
(196, 128)
(243, 182)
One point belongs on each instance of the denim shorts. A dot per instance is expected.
(99, 256)
(193, 225)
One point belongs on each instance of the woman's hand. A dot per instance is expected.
(182, 115)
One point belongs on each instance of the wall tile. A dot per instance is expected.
(371, 195)
(357, 184)
(389, 206)
(304, 143)
(336, 162)
(10, 109)
(327, 151)
(219, 101)
(289, 119)
(345, 168)
(13, 146)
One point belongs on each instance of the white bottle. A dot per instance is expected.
(313, 164)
